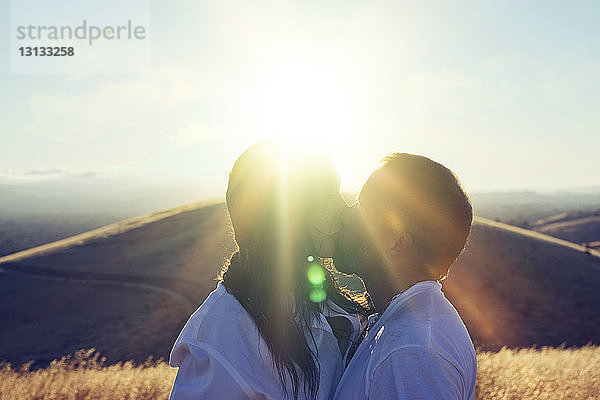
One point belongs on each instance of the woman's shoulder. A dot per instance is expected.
(220, 309)
(222, 325)
(218, 322)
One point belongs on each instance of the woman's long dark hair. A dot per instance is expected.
(271, 196)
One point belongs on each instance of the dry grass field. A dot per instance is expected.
(548, 373)
(84, 376)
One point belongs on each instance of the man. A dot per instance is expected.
(416, 222)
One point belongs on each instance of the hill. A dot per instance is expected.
(524, 208)
(519, 288)
(42, 206)
(23, 231)
(127, 288)
(575, 226)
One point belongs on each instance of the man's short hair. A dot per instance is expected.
(414, 194)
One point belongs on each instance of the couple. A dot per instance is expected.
(280, 325)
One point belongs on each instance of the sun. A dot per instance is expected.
(305, 101)
(308, 100)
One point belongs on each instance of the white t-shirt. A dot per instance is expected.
(221, 354)
(418, 349)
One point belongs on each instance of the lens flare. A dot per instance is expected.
(316, 275)
(316, 278)
(317, 295)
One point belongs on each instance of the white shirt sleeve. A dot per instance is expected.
(415, 373)
(205, 374)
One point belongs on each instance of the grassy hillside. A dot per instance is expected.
(547, 374)
(128, 288)
(43, 319)
(520, 289)
(182, 246)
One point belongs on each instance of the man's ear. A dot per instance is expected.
(400, 245)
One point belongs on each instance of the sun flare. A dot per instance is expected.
(310, 101)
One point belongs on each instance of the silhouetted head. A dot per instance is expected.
(416, 210)
(283, 204)
(278, 196)
(412, 221)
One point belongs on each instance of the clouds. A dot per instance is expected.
(112, 108)
(171, 123)
(15, 175)
(180, 92)
(198, 133)
(38, 175)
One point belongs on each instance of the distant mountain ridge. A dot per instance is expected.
(582, 226)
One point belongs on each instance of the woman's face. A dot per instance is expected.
(354, 249)
(325, 225)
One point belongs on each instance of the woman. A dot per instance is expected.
(263, 333)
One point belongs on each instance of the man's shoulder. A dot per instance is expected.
(436, 318)
(435, 329)
(452, 361)
(462, 358)
(408, 354)
(420, 317)
(448, 330)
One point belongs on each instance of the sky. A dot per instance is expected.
(504, 93)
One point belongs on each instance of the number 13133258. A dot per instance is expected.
(46, 51)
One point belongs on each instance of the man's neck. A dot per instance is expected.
(383, 286)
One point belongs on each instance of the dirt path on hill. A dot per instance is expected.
(89, 278)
